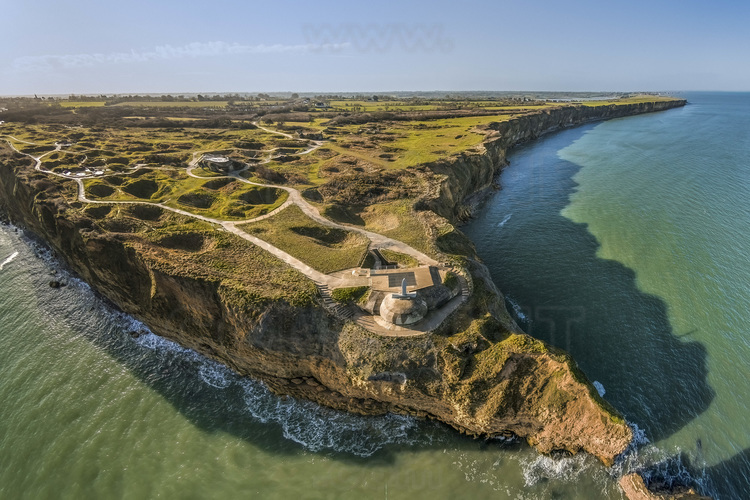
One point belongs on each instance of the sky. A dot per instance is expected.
(170, 46)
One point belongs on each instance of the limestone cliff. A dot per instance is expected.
(474, 171)
(478, 373)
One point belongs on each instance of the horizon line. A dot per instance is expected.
(338, 92)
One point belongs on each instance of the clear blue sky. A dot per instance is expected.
(172, 46)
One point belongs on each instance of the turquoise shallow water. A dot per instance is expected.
(89, 412)
(624, 242)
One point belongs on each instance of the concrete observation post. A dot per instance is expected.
(403, 308)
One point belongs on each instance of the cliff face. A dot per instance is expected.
(477, 373)
(471, 172)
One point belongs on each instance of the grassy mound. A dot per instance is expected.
(348, 295)
(98, 211)
(399, 258)
(100, 190)
(197, 199)
(145, 212)
(328, 236)
(142, 188)
(187, 241)
(323, 248)
(261, 195)
(217, 183)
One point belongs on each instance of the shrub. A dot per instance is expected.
(450, 280)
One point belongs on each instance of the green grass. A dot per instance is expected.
(397, 220)
(450, 280)
(133, 145)
(315, 125)
(424, 142)
(399, 258)
(628, 100)
(322, 248)
(349, 295)
(223, 199)
(406, 144)
(80, 104)
(352, 105)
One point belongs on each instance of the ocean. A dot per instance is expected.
(624, 242)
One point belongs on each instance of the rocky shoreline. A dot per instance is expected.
(477, 373)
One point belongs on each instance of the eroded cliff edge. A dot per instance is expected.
(453, 197)
(202, 288)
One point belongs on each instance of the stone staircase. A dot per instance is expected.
(341, 311)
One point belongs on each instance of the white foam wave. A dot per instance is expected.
(313, 426)
(318, 428)
(662, 467)
(215, 374)
(517, 310)
(8, 260)
(639, 435)
(155, 343)
(543, 467)
(506, 219)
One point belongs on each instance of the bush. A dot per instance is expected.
(450, 280)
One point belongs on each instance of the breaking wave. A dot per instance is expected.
(517, 310)
(545, 468)
(215, 374)
(506, 219)
(319, 428)
(313, 426)
(8, 260)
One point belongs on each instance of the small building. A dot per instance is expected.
(403, 308)
(217, 163)
(405, 296)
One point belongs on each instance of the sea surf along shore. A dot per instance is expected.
(451, 189)
(624, 243)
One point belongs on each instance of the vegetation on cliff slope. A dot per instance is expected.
(237, 303)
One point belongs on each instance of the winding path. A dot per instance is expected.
(323, 281)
